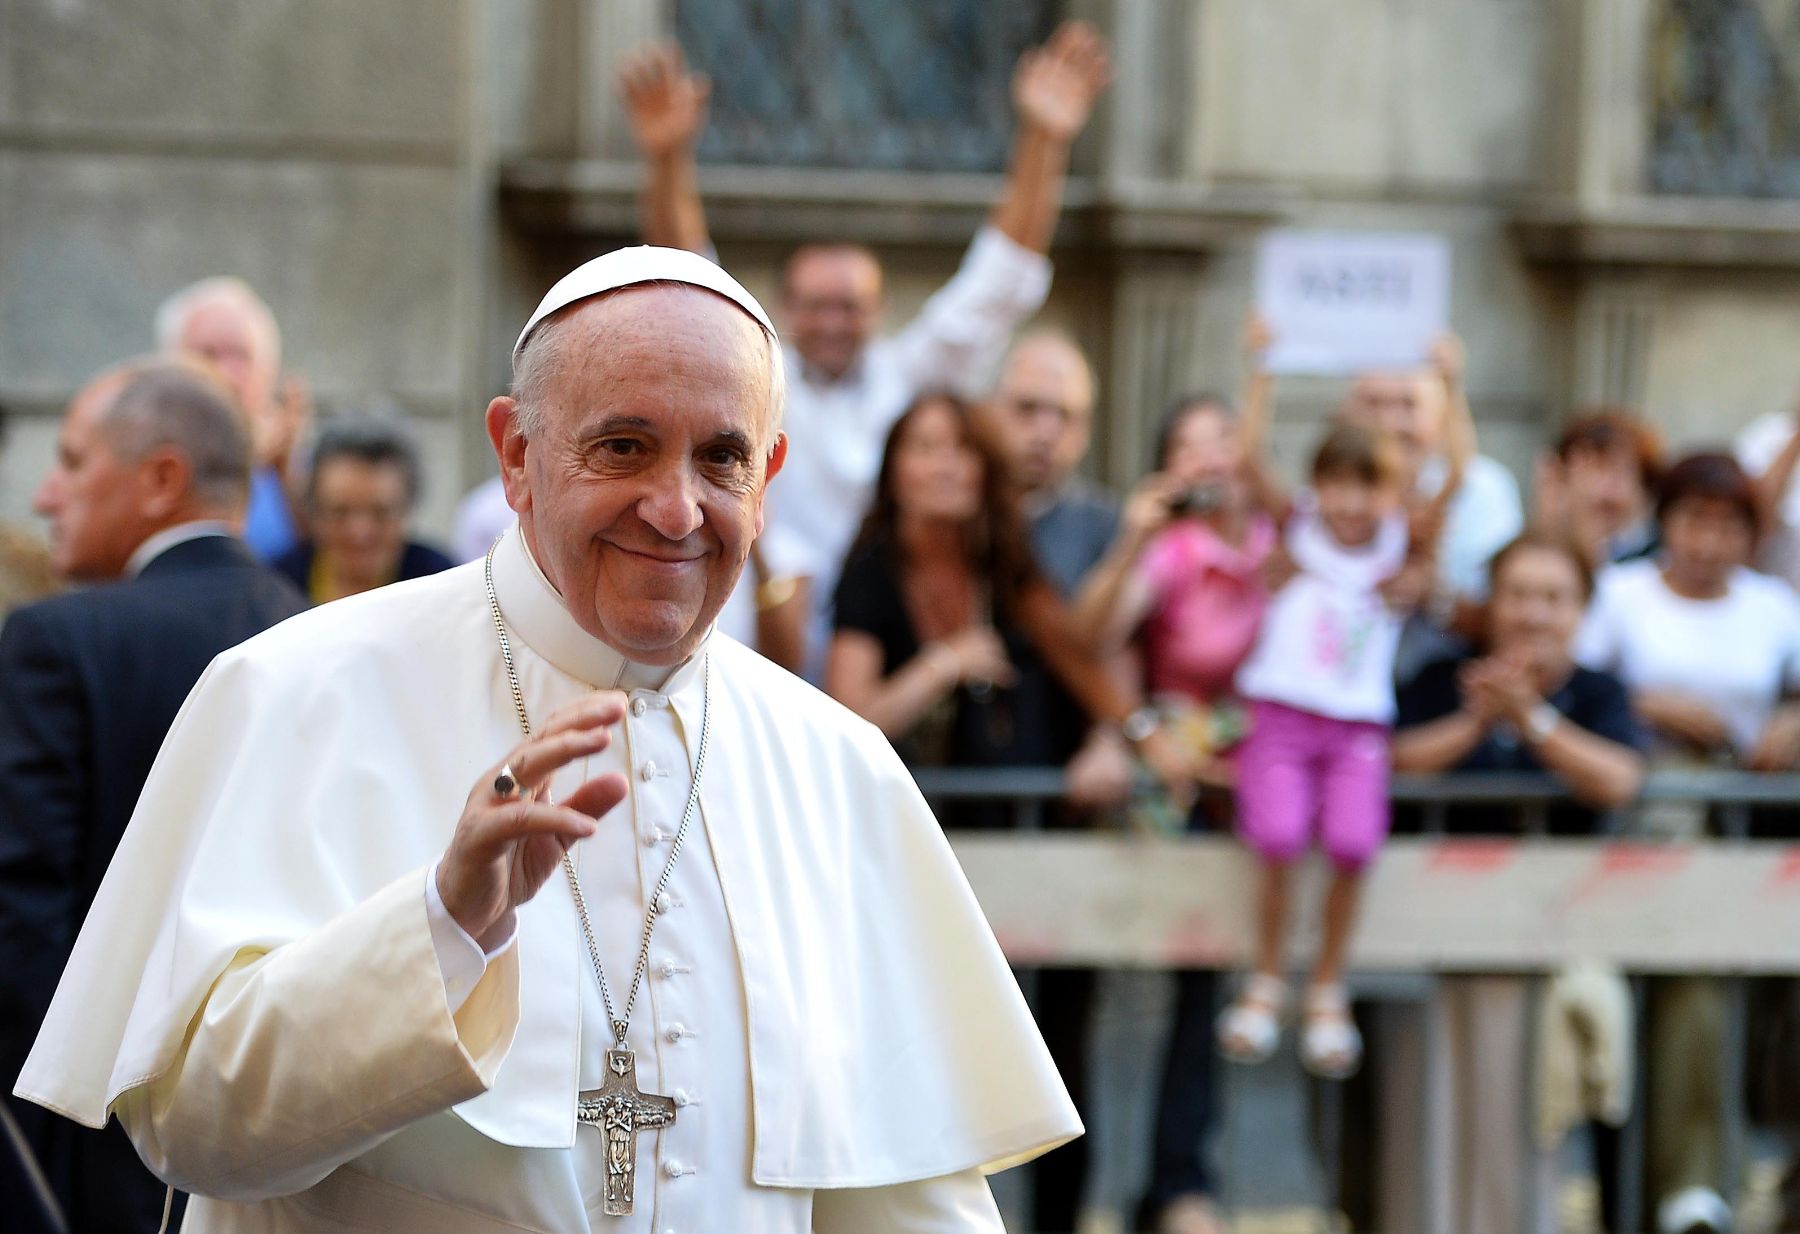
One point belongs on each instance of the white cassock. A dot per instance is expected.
(260, 997)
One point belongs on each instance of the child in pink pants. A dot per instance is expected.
(1320, 686)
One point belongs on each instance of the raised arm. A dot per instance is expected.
(1114, 598)
(1772, 485)
(1054, 89)
(667, 106)
(1257, 410)
(1447, 360)
(1005, 276)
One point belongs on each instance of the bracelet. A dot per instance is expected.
(774, 592)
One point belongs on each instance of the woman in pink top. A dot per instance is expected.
(1185, 576)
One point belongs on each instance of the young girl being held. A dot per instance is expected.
(1319, 683)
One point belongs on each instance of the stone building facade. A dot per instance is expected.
(1619, 179)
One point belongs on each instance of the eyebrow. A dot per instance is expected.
(612, 424)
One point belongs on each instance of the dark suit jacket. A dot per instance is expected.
(89, 684)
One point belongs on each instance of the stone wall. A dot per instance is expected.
(320, 149)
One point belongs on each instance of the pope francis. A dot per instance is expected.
(690, 955)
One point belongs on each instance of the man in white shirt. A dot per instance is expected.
(690, 954)
(848, 385)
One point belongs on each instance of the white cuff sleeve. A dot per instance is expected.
(460, 958)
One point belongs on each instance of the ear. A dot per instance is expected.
(509, 442)
(777, 460)
(164, 477)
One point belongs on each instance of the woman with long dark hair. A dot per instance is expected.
(941, 606)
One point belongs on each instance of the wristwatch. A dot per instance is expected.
(1140, 724)
(1541, 721)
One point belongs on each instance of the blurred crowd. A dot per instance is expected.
(1265, 652)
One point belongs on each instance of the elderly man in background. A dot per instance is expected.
(518, 898)
(226, 324)
(848, 384)
(360, 494)
(152, 470)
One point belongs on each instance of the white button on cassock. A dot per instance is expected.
(639, 707)
(664, 902)
(648, 773)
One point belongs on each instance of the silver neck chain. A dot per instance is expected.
(619, 1022)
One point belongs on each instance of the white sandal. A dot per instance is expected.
(1250, 1029)
(1330, 1045)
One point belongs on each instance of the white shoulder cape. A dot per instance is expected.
(323, 759)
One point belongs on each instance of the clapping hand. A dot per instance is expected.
(1499, 689)
(667, 104)
(1055, 86)
(507, 845)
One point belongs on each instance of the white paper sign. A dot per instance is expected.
(1346, 301)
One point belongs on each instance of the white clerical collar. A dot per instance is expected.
(535, 612)
(168, 538)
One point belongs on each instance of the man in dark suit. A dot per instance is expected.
(152, 471)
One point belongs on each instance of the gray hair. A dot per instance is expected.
(172, 315)
(173, 404)
(378, 442)
(540, 362)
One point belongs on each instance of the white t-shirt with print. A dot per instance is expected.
(1327, 643)
(1737, 654)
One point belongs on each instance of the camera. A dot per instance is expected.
(1200, 499)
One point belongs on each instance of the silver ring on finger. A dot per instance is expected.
(506, 784)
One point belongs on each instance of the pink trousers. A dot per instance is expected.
(1297, 769)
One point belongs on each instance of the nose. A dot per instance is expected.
(45, 500)
(671, 506)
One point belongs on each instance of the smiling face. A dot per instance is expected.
(938, 472)
(831, 297)
(359, 514)
(641, 488)
(1539, 596)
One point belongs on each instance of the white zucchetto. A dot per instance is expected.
(645, 263)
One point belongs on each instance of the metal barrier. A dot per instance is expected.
(1112, 898)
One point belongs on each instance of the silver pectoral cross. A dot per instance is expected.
(620, 1111)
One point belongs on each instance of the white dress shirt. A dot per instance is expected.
(836, 427)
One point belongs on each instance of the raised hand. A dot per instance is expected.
(667, 104)
(1055, 86)
(1449, 359)
(505, 848)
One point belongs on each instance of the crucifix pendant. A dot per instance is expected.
(620, 1111)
